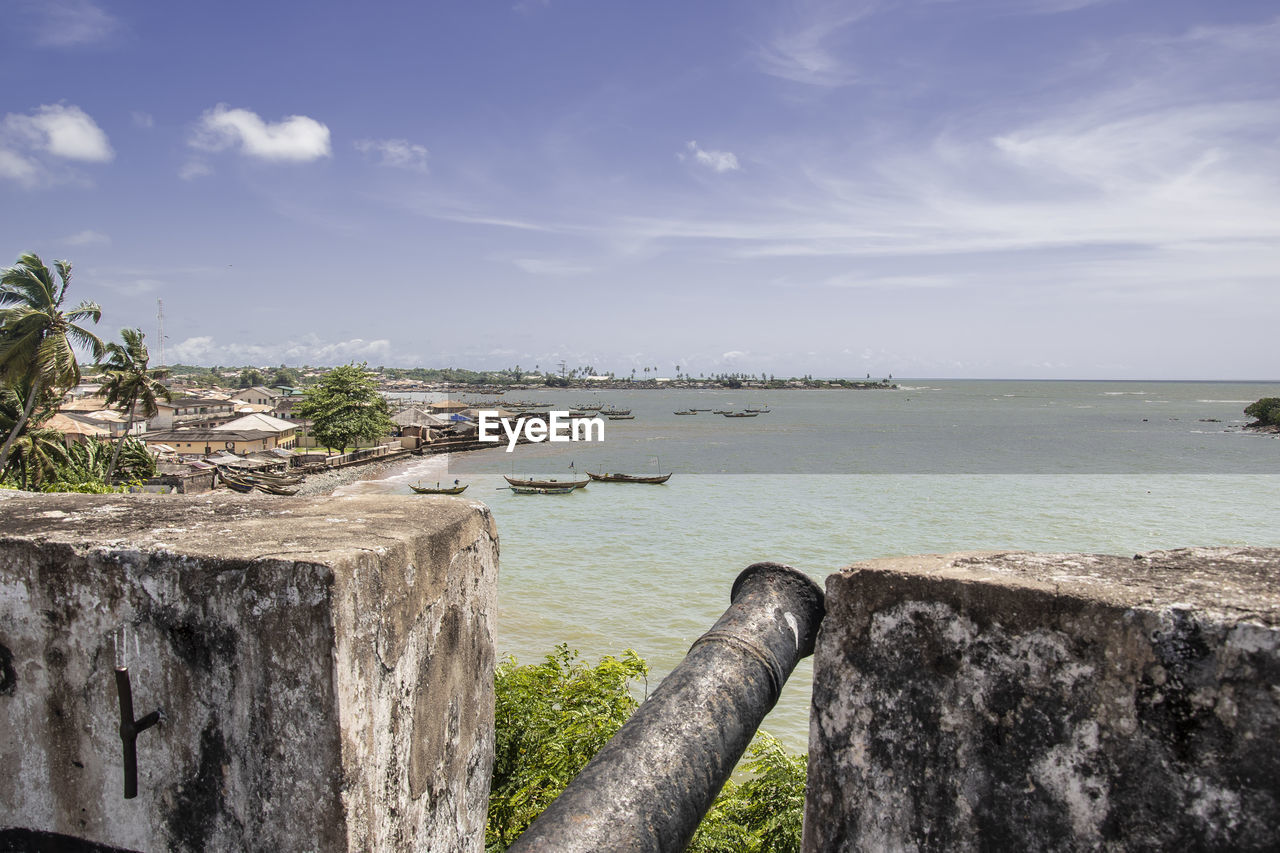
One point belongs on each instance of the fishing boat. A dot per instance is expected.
(763, 411)
(629, 478)
(552, 483)
(542, 490)
(275, 479)
(740, 414)
(439, 490)
(687, 412)
(723, 412)
(621, 417)
(692, 409)
(272, 489)
(611, 412)
(235, 483)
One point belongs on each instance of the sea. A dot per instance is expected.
(826, 478)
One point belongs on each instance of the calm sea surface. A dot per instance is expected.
(827, 478)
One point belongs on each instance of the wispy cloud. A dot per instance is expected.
(805, 47)
(716, 161)
(205, 349)
(296, 139)
(70, 23)
(87, 238)
(396, 153)
(551, 267)
(194, 168)
(31, 144)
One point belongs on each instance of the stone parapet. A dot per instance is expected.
(324, 668)
(1015, 701)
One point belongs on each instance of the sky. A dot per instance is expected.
(930, 188)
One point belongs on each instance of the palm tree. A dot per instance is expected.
(36, 336)
(129, 385)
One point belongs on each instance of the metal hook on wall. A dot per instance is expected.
(129, 727)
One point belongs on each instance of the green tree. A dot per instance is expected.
(36, 335)
(249, 378)
(84, 467)
(128, 384)
(1266, 411)
(549, 720)
(287, 376)
(764, 813)
(345, 407)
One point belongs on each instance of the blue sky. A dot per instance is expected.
(949, 188)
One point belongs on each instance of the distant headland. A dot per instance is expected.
(427, 379)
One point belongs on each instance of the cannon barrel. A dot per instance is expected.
(650, 785)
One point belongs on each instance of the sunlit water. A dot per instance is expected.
(979, 465)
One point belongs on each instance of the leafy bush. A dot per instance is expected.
(763, 814)
(551, 718)
(1266, 411)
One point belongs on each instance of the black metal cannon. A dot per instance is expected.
(650, 786)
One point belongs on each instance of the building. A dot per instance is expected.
(286, 432)
(202, 412)
(205, 442)
(258, 395)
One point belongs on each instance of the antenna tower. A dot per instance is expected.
(160, 327)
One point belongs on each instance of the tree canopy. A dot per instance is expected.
(37, 336)
(344, 407)
(129, 385)
(1266, 411)
(551, 718)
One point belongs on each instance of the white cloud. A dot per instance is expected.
(801, 51)
(716, 161)
(60, 131)
(397, 153)
(67, 23)
(18, 168)
(136, 287)
(293, 138)
(194, 168)
(205, 349)
(87, 238)
(543, 266)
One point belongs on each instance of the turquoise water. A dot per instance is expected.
(980, 465)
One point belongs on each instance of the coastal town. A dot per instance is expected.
(207, 426)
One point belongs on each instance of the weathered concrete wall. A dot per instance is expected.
(324, 666)
(1049, 702)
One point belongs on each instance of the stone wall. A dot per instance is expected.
(1048, 702)
(324, 667)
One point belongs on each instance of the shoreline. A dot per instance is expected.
(326, 482)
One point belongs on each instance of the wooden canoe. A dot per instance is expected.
(629, 478)
(531, 483)
(446, 490)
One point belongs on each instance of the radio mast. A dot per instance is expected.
(160, 328)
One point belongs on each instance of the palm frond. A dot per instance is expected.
(86, 339)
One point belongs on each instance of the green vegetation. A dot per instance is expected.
(346, 407)
(36, 336)
(552, 717)
(1266, 411)
(128, 385)
(38, 365)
